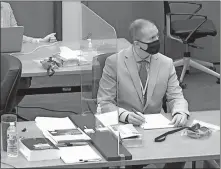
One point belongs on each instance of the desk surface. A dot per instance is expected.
(30, 68)
(174, 149)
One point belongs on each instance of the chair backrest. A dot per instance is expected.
(97, 71)
(166, 10)
(11, 69)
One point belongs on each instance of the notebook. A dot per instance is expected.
(78, 154)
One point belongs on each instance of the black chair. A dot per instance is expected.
(97, 70)
(11, 69)
(186, 31)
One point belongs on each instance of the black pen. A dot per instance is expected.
(72, 144)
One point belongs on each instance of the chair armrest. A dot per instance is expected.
(192, 3)
(195, 29)
(184, 2)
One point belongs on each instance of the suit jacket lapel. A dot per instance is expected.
(133, 71)
(153, 74)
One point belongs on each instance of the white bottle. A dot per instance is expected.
(12, 141)
(90, 51)
(90, 47)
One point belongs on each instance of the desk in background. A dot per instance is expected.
(30, 68)
(175, 148)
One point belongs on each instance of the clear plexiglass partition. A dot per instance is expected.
(99, 41)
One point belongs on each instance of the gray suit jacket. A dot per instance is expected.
(120, 87)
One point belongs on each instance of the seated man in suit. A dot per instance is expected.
(138, 78)
(8, 20)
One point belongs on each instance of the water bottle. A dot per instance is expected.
(12, 142)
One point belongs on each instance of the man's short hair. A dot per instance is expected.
(136, 27)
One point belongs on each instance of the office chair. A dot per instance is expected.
(186, 32)
(97, 70)
(11, 68)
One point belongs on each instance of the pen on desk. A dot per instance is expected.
(72, 144)
(84, 161)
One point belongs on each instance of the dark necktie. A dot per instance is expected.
(143, 72)
(143, 77)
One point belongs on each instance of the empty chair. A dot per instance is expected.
(186, 31)
(11, 69)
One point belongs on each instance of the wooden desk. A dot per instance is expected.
(175, 148)
(31, 68)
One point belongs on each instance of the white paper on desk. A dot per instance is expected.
(108, 119)
(54, 123)
(68, 54)
(156, 121)
(211, 126)
(76, 153)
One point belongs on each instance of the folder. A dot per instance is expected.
(104, 141)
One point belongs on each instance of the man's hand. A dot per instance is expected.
(136, 118)
(179, 120)
(49, 38)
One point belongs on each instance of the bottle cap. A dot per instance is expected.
(12, 123)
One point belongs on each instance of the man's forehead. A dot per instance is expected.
(149, 31)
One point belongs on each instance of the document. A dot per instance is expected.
(156, 121)
(108, 119)
(78, 154)
(68, 54)
(54, 123)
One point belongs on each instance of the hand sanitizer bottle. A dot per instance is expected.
(97, 122)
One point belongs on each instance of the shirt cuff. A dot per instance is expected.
(123, 114)
(181, 113)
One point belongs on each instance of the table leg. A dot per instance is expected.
(193, 164)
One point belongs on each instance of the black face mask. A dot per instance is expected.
(153, 47)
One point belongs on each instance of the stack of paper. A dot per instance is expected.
(51, 123)
(77, 154)
(156, 121)
(68, 54)
(38, 149)
(60, 130)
